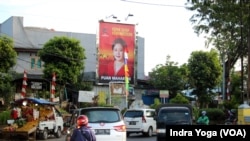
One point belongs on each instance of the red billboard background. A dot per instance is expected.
(108, 34)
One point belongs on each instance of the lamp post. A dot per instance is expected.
(129, 15)
(111, 16)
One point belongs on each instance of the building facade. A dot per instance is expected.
(29, 40)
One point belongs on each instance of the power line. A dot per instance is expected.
(155, 4)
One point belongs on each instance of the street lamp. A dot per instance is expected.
(129, 15)
(111, 16)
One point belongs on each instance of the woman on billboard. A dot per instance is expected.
(115, 67)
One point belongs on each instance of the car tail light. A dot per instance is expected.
(143, 119)
(120, 128)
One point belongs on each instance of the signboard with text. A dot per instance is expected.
(164, 93)
(114, 39)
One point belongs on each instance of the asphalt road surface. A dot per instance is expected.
(132, 137)
(140, 137)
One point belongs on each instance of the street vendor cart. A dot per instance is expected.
(33, 118)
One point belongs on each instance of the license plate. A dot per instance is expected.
(132, 123)
(102, 132)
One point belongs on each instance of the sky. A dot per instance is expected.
(164, 24)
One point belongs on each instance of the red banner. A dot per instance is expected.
(53, 87)
(114, 40)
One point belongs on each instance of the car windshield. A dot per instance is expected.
(101, 115)
(174, 115)
(133, 114)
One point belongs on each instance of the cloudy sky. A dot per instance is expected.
(163, 23)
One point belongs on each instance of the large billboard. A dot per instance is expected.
(114, 40)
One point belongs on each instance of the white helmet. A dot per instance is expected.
(203, 112)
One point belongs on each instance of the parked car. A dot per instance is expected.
(106, 122)
(172, 114)
(140, 121)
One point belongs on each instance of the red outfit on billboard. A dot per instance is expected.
(109, 70)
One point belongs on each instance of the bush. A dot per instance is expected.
(4, 116)
(179, 99)
(156, 103)
(216, 116)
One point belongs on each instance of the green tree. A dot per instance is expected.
(228, 23)
(7, 54)
(205, 71)
(185, 75)
(65, 57)
(167, 77)
(235, 87)
(7, 60)
(6, 88)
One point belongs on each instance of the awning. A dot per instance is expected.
(34, 100)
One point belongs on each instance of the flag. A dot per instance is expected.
(23, 92)
(53, 88)
(126, 75)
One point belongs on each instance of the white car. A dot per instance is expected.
(106, 122)
(140, 121)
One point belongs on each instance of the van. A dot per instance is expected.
(140, 121)
(172, 114)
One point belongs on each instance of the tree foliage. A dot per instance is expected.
(6, 88)
(7, 54)
(205, 72)
(7, 60)
(227, 22)
(168, 77)
(156, 103)
(64, 56)
(179, 99)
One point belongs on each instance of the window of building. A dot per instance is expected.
(39, 63)
(36, 63)
(33, 61)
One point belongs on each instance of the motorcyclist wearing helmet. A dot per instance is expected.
(203, 119)
(83, 132)
(232, 117)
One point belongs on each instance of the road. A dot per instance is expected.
(140, 137)
(132, 137)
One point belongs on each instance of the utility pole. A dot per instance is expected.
(248, 81)
(241, 53)
(248, 46)
(223, 76)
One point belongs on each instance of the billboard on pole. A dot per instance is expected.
(86, 96)
(117, 88)
(164, 94)
(114, 39)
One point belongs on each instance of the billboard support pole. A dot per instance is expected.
(110, 93)
(126, 94)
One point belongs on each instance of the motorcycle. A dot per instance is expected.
(68, 135)
(232, 119)
(200, 123)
